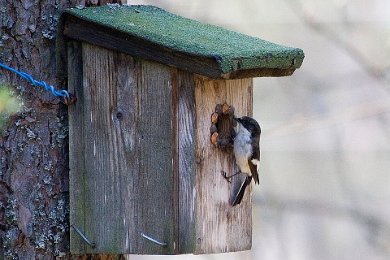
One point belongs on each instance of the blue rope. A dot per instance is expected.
(62, 93)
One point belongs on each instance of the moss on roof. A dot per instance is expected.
(230, 49)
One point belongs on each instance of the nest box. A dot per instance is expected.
(144, 176)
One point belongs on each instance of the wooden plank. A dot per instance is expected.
(175, 157)
(156, 177)
(125, 146)
(187, 165)
(219, 226)
(103, 223)
(103, 36)
(121, 111)
(76, 148)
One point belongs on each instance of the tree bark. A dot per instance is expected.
(34, 205)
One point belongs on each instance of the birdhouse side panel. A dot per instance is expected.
(220, 227)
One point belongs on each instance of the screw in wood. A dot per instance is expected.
(153, 240)
(86, 240)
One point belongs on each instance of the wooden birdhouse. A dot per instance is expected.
(144, 176)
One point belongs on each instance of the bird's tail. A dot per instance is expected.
(240, 194)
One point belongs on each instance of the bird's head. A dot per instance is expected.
(249, 124)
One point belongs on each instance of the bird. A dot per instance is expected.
(246, 149)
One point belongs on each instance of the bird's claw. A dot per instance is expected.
(227, 178)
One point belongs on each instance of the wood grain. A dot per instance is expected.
(155, 204)
(219, 226)
(141, 160)
(187, 164)
(121, 159)
(76, 156)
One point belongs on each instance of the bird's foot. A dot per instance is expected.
(228, 178)
(224, 175)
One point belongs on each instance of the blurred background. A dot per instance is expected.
(325, 176)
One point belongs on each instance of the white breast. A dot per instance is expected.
(242, 148)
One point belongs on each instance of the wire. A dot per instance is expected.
(58, 93)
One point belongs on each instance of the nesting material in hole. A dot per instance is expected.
(222, 123)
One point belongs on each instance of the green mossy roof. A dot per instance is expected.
(230, 49)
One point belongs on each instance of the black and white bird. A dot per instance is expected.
(247, 152)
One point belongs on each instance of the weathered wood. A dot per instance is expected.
(126, 118)
(219, 226)
(76, 156)
(187, 165)
(155, 176)
(141, 160)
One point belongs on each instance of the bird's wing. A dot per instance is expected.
(240, 194)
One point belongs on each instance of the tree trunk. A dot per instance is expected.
(34, 205)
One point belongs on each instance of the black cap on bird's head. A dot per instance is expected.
(250, 124)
